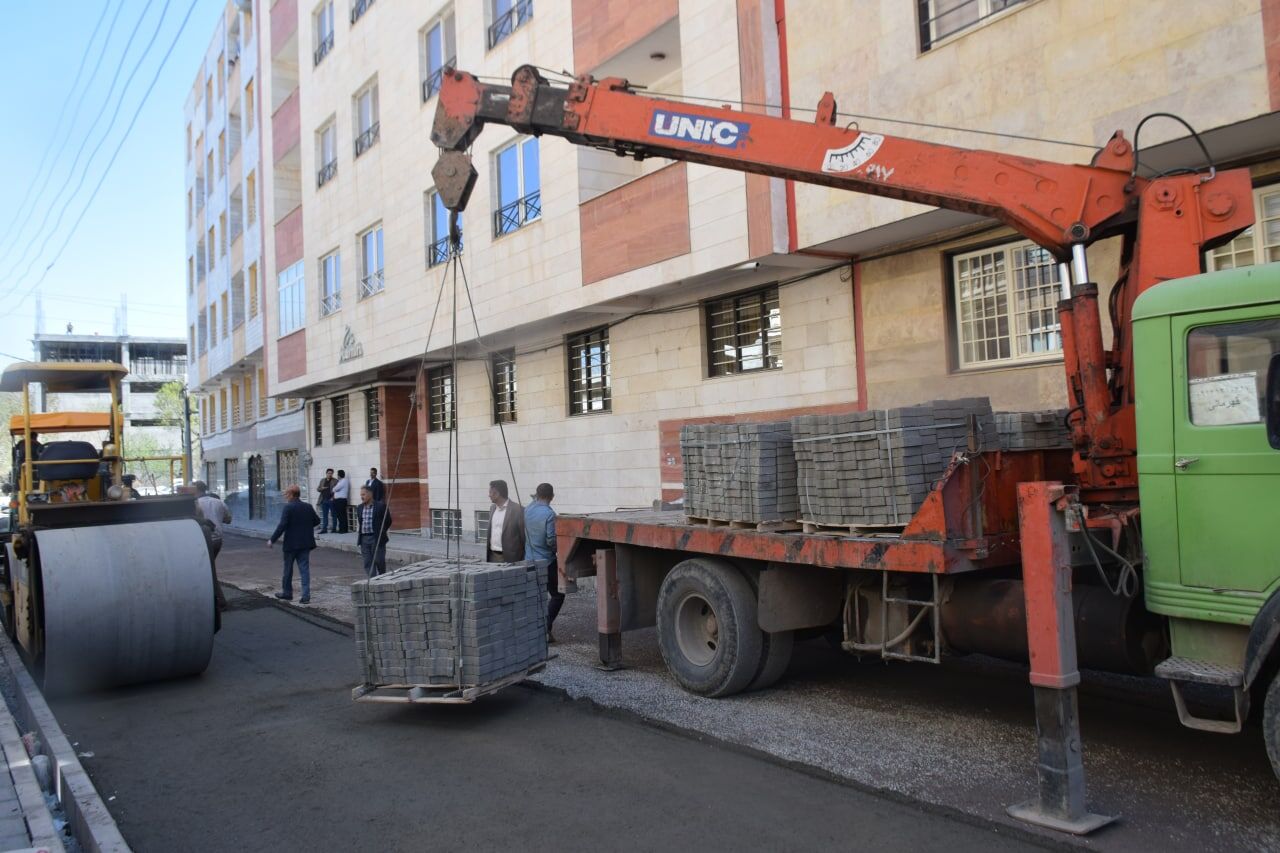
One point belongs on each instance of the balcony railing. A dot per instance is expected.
(326, 173)
(366, 140)
(358, 8)
(371, 284)
(157, 367)
(517, 214)
(439, 251)
(322, 50)
(510, 21)
(330, 304)
(432, 84)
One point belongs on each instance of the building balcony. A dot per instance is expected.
(157, 370)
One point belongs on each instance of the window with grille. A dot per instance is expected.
(235, 405)
(1257, 244)
(443, 407)
(341, 419)
(589, 385)
(249, 107)
(253, 291)
(330, 284)
(372, 413)
(262, 393)
(226, 315)
(292, 287)
(365, 113)
(222, 408)
(503, 369)
(323, 18)
(446, 523)
(507, 16)
(439, 53)
(437, 215)
(213, 324)
(326, 153)
(519, 186)
(211, 476)
(744, 333)
(1006, 301)
(372, 279)
(940, 19)
(482, 525)
(317, 423)
(286, 469)
(232, 467)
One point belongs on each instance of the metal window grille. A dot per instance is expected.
(432, 84)
(322, 50)
(233, 476)
(211, 476)
(589, 385)
(940, 19)
(1006, 301)
(482, 525)
(371, 284)
(517, 214)
(366, 140)
(1257, 244)
(371, 263)
(439, 248)
(503, 366)
(326, 173)
(506, 23)
(446, 523)
(744, 333)
(330, 284)
(286, 469)
(358, 8)
(443, 406)
(372, 413)
(317, 423)
(440, 251)
(341, 419)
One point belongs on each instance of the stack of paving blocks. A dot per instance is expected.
(876, 467)
(1033, 430)
(441, 623)
(739, 472)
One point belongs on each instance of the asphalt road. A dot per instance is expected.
(266, 750)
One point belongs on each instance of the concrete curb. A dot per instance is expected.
(44, 835)
(87, 816)
(397, 554)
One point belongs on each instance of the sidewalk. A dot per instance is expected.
(402, 547)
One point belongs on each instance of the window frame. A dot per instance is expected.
(438, 398)
(327, 159)
(1046, 293)
(323, 40)
(432, 77)
(926, 30)
(444, 516)
(439, 249)
(526, 208)
(317, 423)
(581, 399)
(482, 526)
(503, 25)
(372, 414)
(329, 270)
(502, 371)
(291, 302)
(372, 282)
(1256, 233)
(340, 411)
(771, 355)
(366, 136)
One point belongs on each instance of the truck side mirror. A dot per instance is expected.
(1272, 401)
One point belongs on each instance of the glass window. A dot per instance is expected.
(446, 523)
(482, 525)
(330, 284)
(519, 186)
(1227, 371)
(744, 332)
(324, 31)
(292, 289)
(589, 379)
(366, 118)
(372, 278)
(372, 413)
(942, 18)
(507, 16)
(443, 407)
(1006, 304)
(1257, 244)
(326, 154)
(317, 424)
(438, 230)
(438, 45)
(341, 419)
(503, 369)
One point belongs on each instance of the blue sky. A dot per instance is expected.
(132, 239)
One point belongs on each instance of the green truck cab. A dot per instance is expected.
(1207, 374)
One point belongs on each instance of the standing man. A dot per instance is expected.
(326, 500)
(375, 525)
(506, 526)
(213, 513)
(341, 496)
(298, 522)
(540, 544)
(376, 486)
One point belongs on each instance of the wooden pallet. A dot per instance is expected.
(762, 526)
(432, 694)
(853, 529)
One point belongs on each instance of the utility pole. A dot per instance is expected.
(186, 437)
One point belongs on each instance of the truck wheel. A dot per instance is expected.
(1271, 724)
(776, 659)
(707, 628)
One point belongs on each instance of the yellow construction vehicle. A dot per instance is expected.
(101, 586)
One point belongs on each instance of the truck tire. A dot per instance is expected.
(775, 660)
(1271, 724)
(708, 629)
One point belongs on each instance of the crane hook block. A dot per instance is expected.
(455, 178)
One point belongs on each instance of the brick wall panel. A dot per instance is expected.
(635, 225)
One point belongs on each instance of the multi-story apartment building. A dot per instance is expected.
(152, 363)
(251, 444)
(617, 301)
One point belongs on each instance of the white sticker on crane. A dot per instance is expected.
(853, 155)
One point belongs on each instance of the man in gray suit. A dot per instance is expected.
(506, 526)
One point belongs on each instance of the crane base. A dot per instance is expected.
(1032, 812)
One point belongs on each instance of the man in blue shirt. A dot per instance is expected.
(540, 544)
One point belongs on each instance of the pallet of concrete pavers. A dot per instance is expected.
(861, 471)
(1045, 430)
(449, 630)
(740, 475)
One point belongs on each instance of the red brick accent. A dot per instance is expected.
(604, 28)
(399, 428)
(637, 224)
(1271, 38)
(289, 239)
(291, 355)
(284, 23)
(286, 127)
(670, 462)
(751, 65)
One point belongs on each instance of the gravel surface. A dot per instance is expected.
(961, 735)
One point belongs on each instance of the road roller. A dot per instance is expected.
(101, 586)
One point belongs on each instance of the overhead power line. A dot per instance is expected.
(107, 171)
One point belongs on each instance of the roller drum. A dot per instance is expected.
(125, 604)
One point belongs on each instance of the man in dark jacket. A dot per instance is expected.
(298, 522)
(506, 526)
(372, 534)
(376, 486)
